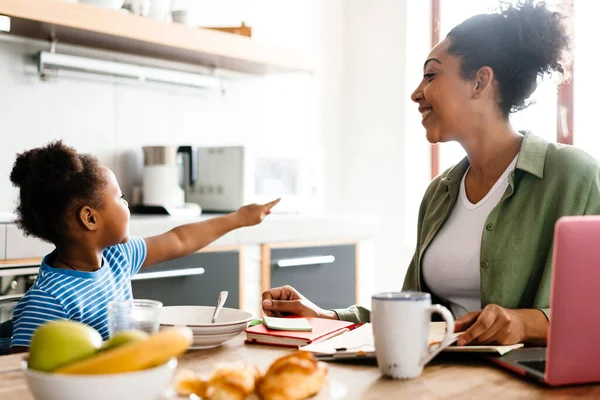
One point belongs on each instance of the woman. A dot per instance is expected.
(485, 230)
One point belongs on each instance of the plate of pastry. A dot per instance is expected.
(293, 377)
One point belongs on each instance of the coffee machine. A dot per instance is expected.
(162, 182)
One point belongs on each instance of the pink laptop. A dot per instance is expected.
(573, 352)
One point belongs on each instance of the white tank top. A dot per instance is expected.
(451, 262)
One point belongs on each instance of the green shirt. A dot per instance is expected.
(550, 181)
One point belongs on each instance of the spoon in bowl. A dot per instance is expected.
(220, 302)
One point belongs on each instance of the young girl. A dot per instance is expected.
(74, 202)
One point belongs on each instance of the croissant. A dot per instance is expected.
(187, 382)
(233, 381)
(294, 377)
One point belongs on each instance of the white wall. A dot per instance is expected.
(355, 108)
(417, 150)
(384, 151)
(113, 119)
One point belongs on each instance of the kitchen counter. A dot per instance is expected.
(297, 235)
(275, 228)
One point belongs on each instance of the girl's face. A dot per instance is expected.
(114, 211)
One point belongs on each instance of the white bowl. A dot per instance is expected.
(149, 384)
(209, 341)
(229, 324)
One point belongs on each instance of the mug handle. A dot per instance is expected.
(433, 351)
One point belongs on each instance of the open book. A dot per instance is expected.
(359, 343)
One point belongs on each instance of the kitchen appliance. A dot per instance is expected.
(162, 191)
(226, 178)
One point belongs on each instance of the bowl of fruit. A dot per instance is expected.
(69, 361)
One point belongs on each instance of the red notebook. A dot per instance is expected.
(322, 329)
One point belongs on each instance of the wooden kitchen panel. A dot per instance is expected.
(96, 27)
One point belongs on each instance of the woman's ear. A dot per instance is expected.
(89, 218)
(484, 79)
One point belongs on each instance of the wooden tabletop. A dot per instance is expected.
(456, 376)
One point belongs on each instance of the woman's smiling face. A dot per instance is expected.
(444, 96)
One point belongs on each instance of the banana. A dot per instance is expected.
(135, 356)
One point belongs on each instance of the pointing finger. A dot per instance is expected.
(271, 204)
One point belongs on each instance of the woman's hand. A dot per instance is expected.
(253, 214)
(287, 300)
(503, 326)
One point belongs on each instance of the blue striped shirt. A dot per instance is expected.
(77, 295)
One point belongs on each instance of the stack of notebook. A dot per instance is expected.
(296, 332)
(332, 339)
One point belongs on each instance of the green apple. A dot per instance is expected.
(124, 337)
(59, 343)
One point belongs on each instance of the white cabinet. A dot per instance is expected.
(18, 246)
(2, 241)
(146, 226)
(15, 245)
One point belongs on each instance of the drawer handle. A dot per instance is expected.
(168, 274)
(302, 261)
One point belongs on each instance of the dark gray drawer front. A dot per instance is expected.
(331, 285)
(221, 272)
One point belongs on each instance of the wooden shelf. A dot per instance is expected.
(85, 25)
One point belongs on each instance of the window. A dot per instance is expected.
(585, 84)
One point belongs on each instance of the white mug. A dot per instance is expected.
(401, 332)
